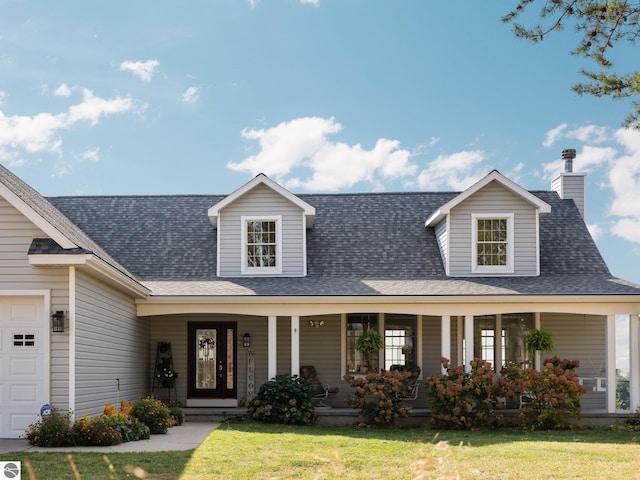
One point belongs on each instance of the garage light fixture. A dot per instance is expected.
(57, 321)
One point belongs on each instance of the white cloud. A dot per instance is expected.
(552, 135)
(587, 160)
(585, 134)
(62, 91)
(91, 155)
(143, 70)
(595, 230)
(41, 132)
(191, 95)
(304, 142)
(456, 171)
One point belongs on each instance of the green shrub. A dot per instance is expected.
(130, 429)
(376, 395)
(95, 431)
(464, 400)
(283, 399)
(176, 413)
(54, 431)
(153, 413)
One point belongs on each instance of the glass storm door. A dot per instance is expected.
(212, 360)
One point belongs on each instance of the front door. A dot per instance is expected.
(212, 360)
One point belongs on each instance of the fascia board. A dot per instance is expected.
(541, 206)
(308, 210)
(94, 263)
(25, 209)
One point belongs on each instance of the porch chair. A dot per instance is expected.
(320, 391)
(411, 385)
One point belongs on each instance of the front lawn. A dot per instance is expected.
(241, 450)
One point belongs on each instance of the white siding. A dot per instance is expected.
(493, 199)
(571, 186)
(261, 201)
(111, 343)
(16, 234)
(581, 337)
(443, 239)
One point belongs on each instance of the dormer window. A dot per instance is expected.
(493, 243)
(262, 245)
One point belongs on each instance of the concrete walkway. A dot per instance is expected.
(185, 437)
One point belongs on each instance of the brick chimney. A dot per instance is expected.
(570, 185)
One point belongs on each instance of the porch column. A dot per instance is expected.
(497, 344)
(537, 359)
(468, 342)
(272, 358)
(445, 335)
(634, 362)
(295, 345)
(610, 353)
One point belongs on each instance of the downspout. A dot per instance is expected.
(72, 341)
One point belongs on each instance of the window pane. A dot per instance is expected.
(491, 243)
(399, 340)
(357, 323)
(515, 327)
(261, 244)
(484, 329)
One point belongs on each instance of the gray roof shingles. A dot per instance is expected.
(361, 244)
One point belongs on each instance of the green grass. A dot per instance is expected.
(249, 450)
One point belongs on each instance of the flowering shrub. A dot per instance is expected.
(462, 400)
(95, 431)
(470, 399)
(130, 429)
(54, 431)
(176, 412)
(283, 399)
(551, 395)
(376, 395)
(153, 413)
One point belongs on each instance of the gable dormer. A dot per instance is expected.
(261, 229)
(490, 229)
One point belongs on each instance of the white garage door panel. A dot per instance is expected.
(24, 393)
(24, 366)
(19, 424)
(24, 362)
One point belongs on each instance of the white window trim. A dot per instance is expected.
(509, 267)
(246, 270)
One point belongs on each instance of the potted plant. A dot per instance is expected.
(370, 341)
(538, 340)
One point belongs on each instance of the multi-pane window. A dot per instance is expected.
(500, 339)
(399, 348)
(399, 341)
(493, 243)
(261, 243)
(261, 247)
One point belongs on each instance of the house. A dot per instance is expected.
(242, 287)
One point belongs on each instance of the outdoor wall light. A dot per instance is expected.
(317, 324)
(57, 321)
(246, 340)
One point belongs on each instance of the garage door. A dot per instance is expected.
(24, 364)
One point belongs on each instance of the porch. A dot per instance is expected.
(343, 416)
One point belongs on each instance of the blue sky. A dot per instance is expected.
(322, 95)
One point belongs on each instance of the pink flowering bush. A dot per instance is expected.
(552, 395)
(464, 400)
(377, 396)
